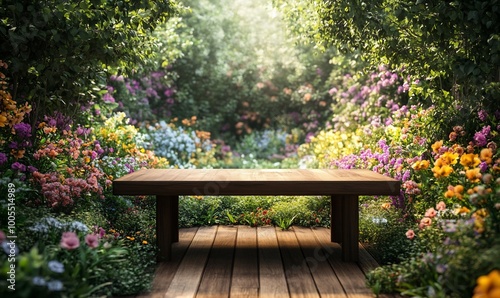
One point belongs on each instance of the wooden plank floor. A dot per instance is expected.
(240, 261)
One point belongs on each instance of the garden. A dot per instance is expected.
(92, 90)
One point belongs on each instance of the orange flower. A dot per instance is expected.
(488, 285)
(421, 165)
(454, 191)
(386, 206)
(3, 120)
(470, 160)
(436, 146)
(18, 154)
(474, 175)
(486, 155)
(462, 210)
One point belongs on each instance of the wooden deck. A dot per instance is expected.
(240, 261)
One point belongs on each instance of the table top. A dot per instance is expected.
(255, 182)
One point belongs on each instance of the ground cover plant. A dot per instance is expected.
(81, 106)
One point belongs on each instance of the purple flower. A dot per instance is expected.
(108, 98)
(483, 115)
(480, 139)
(3, 158)
(32, 169)
(18, 167)
(23, 130)
(486, 130)
(13, 145)
(483, 167)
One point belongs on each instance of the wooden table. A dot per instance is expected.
(344, 187)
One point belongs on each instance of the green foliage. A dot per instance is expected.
(383, 231)
(254, 211)
(60, 51)
(450, 46)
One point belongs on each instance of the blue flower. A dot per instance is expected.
(56, 266)
(38, 281)
(55, 285)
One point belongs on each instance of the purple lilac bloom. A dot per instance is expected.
(23, 130)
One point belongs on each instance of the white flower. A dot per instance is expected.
(77, 226)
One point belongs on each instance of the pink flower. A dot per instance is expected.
(69, 240)
(431, 212)
(425, 222)
(92, 240)
(2, 236)
(410, 234)
(441, 206)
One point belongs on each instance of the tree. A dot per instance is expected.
(452, 46)
(60, 51)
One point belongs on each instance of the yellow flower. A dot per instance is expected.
(449, 158)
(443, 171)
(130, 238)
(470, 160)
(488, 285)
(144, 242)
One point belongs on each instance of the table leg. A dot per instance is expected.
(345, 225)
(336, 218)
(167, 226)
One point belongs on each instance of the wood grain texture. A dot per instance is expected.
(245, 279)
(349, 274)
(255, 182)
(316, 258)
(272, 277)
(190, 271)
(258, 258)
(167, 270)
(216, 279)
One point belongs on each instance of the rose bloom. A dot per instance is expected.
(425, 222)
(441, 206)
(410, 234)
(431, 212)
(69, 241)
(92, 240)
